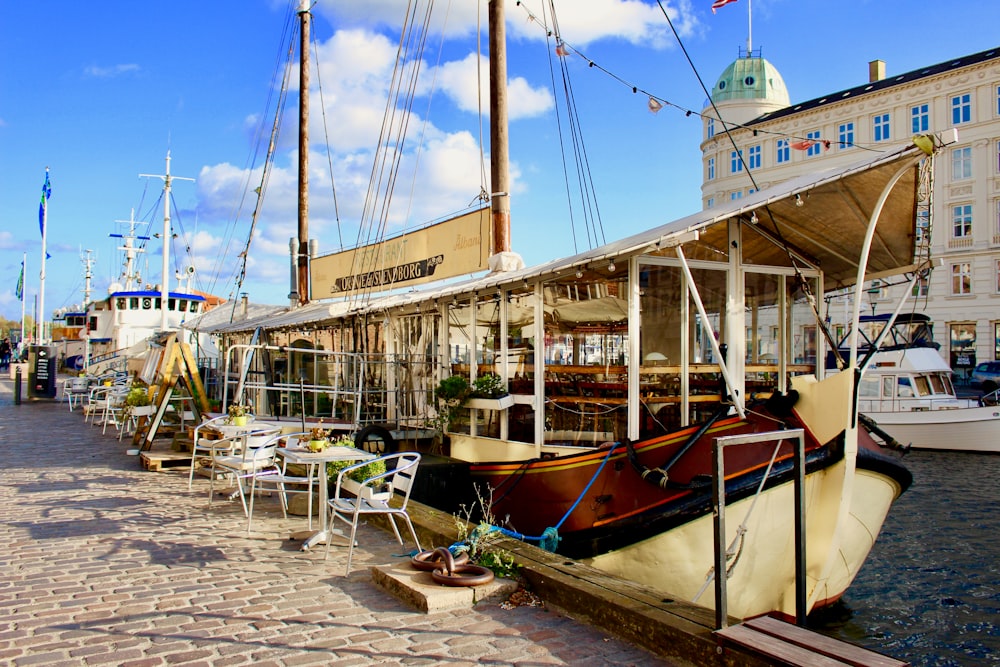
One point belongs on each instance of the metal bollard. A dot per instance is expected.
(17, 386)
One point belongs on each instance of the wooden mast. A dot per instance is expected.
(302, 256)
(499, 155)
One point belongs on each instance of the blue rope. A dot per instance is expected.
(549, 539)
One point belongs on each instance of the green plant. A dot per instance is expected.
(480, 542)
(136, 397)
(236, 410)
(370, 469)
(450, 393)
(488, 385)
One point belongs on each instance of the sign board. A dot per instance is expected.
(454, 247)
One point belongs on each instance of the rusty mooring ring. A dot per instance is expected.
(432, 560)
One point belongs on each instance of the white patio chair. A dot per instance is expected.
(257, 450)
(75, 391)
(202, 446)
(132, 417)
(114, 408)
(277, 478)
(373, 497)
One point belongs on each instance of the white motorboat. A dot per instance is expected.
(907, 390)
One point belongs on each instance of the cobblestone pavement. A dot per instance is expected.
(104, 563)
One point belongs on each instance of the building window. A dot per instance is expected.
(996, 287)
(735, 162)
(710, 131)
(998, 100)
(754, 157)
(736, 195)
(961, 278)
(961, 109)
(923, 227)
(846, 135)
(880, 127)
(920, 287)
(961, 163)
(783, 154)
(997, 163)
(710, 203)
(961, 221)
(711, 168)
(814, 148)
(920, 118)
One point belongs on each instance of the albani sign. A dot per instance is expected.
(451, 248)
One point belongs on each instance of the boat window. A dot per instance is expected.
(923, 383)
(182, 305)
(147, 303)
(171, 304)
(133, 303)
(869, 387)
(904, 388)
(942, 384)
(888, 386)
(194, 307)
(120, 304)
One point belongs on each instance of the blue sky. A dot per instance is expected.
(99, 92)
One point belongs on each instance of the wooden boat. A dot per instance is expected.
(906, 389)
(624, 365)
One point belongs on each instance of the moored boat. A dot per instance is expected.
(906, 389)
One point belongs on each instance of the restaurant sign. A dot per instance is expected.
(454, 247)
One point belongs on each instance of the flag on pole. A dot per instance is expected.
(19, 292)
(46, 193)
(720, 3)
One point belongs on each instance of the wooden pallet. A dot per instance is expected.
(787, 644)
(157, 461)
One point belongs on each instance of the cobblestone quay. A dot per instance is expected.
(102, 563)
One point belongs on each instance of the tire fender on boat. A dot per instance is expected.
(375, 439)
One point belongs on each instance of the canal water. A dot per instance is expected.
(930, 590)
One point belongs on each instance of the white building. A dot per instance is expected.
(772, 140)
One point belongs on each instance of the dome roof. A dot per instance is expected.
(751, 79)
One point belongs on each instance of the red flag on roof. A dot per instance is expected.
(720, 3)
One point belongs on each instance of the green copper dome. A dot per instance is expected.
(751, 79)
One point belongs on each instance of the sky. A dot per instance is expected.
(101, 93)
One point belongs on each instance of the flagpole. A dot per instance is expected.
(749, 29)
(24, 269)
(40, 323)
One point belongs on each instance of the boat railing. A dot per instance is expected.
(721, 567)
(347, 389)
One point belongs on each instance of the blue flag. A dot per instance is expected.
(46, 193)
(19, 292)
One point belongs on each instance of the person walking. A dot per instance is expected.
(5, 354)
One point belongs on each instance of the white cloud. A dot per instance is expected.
(111, 71)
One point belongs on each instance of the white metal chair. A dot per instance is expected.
(257, 451)
(202, 446)
(76, 390)
(373, 497)
(277, 478)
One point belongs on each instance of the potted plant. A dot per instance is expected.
(489, 392)
(318, 438)
(449, 395)
(136, 399)
(239, 415)
(352, 481)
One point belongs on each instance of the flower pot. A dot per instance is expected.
(501, 403)
(239, 421)
(318, 445)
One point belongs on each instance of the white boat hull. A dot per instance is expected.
(971, 429)
(763, 580)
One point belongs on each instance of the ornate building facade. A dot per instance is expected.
(769, 139)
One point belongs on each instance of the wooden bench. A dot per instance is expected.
(789, 644)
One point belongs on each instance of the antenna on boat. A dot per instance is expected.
(129, 273)
(165, 277)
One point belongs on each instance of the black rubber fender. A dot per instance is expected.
(376, 439)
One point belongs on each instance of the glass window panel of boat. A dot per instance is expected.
(460, 333)
(660, 298)
(869, 387)
(171, 303)
(521, 343)
(585, 350)
(133, 303)
(763, 340)
(804, 351)
(904, 388)
(487, 333)
(414, 361)
(922, 384)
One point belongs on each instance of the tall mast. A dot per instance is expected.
(88, 263)
(499, 154)
(43, 218)
(165, 279)
(129, 273)
(302, 259)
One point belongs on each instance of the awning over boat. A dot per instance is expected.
(822, 217)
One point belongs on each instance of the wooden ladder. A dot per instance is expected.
(788, 644)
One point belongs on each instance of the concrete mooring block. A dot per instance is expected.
(417, 589)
